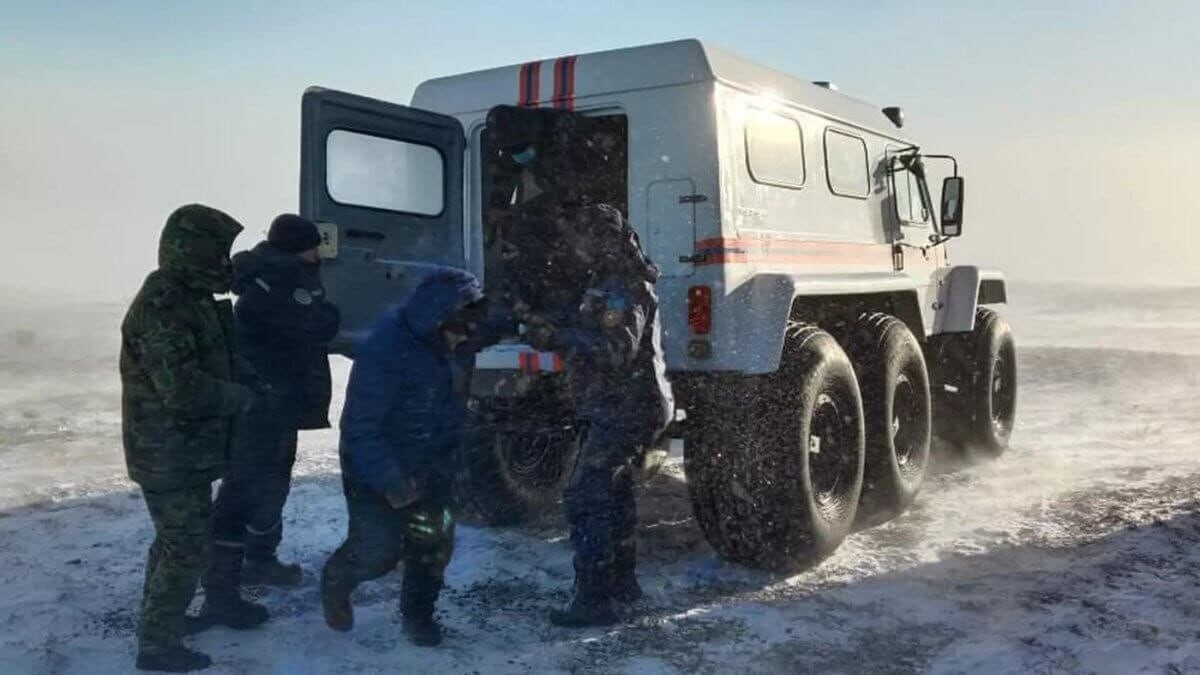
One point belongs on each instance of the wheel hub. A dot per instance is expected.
(906, 421)
(1002, 394)
(830, 455)
(535, 457)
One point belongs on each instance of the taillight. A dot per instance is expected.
(699, 300)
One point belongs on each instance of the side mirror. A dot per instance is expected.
(952, 206)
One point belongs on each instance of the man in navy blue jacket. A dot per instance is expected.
(404, 413)
(613, 351)
(284, 325)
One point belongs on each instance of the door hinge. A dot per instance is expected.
(692, 199)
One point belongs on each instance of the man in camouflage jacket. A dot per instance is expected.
(179, 399)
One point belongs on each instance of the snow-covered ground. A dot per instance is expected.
(1078, 551)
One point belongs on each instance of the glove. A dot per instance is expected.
(430, 525)
(404, 494)
(539, 333)
(521, 309)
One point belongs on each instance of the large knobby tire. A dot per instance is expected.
(975, 396)
(896, 408)
(515, 463)
(774, 463)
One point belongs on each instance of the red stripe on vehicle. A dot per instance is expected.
(528, 83)
(558, 364)
(564, 83)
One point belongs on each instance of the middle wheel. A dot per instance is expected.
(896, 408)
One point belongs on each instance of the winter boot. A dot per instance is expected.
(418, 596)
(623, 583)
(335, 603)
(263, 567)
(591, 604)
(177, 659)
(223, 603)
(423, 631)
(271, 572)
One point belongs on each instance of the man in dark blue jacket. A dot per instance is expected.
(405, 407)
(579, 267)
(613, 352)
(283, 325)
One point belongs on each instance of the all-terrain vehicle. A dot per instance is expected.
(815, 331)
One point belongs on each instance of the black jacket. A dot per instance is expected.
(284, 325)
(612, 340)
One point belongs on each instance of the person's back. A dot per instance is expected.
(614, 338)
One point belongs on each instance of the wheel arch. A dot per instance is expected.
(778, 299)
(961, 290)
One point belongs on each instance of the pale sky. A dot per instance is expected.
(1077, 126)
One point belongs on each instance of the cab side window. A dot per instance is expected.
(910, 207)
(846, 164)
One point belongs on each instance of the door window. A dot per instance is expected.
(384, 173)
(910, 202)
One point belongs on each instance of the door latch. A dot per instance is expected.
(692, 199)
(694, 258)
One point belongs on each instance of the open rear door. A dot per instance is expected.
(384, 184)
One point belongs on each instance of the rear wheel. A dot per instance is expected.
(517, 456)
(896, 408)
(774, 464)
(976, 391)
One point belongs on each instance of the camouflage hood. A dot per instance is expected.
(194, 247)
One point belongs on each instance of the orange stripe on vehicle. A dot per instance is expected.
(558, 364)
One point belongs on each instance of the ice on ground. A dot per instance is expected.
(1078, 551)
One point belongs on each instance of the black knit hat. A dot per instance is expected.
(293, 234)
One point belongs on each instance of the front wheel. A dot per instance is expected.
(896, 405)
(976, 392)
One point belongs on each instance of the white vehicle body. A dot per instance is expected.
(703, 216)
(813, 326)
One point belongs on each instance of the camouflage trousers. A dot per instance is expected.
(180, 553)
(421, 536)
